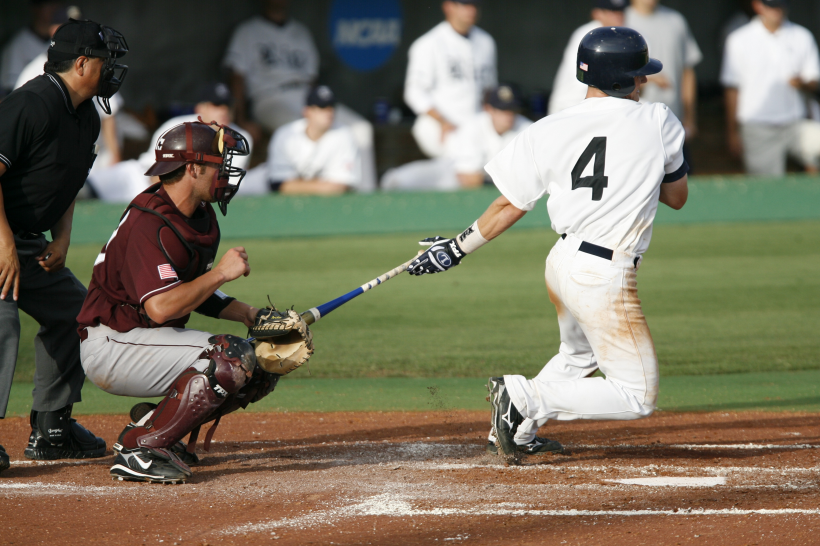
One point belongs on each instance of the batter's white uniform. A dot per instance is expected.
(122, 182)
(279, 65)
(448, 72)
(333, 158)
(566, 89)
(602, 163)
(467, 151)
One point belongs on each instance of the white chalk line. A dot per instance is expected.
(643, 469)
(694, 447)
(674, 481)
(392, 505)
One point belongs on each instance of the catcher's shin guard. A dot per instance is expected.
(194, 396)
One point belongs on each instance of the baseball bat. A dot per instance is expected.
(314, 314)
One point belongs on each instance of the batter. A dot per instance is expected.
(605, 163)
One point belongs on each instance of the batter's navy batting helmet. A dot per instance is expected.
(610, 58)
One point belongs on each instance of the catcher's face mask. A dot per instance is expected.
(227, 143)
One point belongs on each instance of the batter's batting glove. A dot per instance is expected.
(441, 256)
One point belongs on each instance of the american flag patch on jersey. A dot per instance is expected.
(166, 271)
(584, 67)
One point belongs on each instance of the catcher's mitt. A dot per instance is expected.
(283, 341)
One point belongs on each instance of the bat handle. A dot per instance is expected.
(308, 317)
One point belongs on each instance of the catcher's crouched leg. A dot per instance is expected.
(144, 451)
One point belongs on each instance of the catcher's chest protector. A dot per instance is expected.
(190, 245)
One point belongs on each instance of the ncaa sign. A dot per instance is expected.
(365, 33)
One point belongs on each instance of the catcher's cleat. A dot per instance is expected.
(78, 443)
(4, 459)
(145, 464)
(505, 416)
(539, 446)
(179, 449)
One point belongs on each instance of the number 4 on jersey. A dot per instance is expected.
(597, 148)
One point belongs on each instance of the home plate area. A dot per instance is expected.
(424, 477)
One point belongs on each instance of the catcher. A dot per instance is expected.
(158, 267)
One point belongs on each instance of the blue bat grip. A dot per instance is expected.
(326, 308)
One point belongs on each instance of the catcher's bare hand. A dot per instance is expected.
(234, 264)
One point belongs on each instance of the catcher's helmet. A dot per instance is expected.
(610, 58)
(198, 142)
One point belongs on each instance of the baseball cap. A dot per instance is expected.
(611, 5)
(775, 3)
(504, 97)
(321, 96)
(474, 2)
(216, 93)
(75, 38)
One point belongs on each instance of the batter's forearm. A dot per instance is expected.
(498, 218)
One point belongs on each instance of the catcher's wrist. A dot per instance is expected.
(471, 239)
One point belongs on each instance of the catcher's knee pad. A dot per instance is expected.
(194, 396)
(233, 361)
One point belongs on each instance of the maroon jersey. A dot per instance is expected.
(144, 257)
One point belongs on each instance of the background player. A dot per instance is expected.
(467, 150)
(566, 89)
(770, 67)
(605, 163)
(153, 272)
(314, 155)
(449, 68)
(668, 34)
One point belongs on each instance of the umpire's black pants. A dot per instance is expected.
(54, 300)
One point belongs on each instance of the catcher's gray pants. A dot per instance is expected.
(143, 362)
(54, 300)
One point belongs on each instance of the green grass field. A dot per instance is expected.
(719, 299)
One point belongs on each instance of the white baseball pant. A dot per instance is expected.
(602, 327)
(143, 362)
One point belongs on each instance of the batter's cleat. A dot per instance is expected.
(80, 443)
(145, 464)
(4, 459)
(178, 449)
(539, 446)
(505, 416)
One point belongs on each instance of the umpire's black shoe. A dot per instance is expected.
(505, 416)
(145, 464)
(55, 435)
(4, 459)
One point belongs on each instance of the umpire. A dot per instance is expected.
(48, 128)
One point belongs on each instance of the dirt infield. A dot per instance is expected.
(424, 478)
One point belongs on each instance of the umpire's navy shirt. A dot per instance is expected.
(48, 149)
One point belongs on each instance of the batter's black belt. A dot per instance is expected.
(595, 250)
